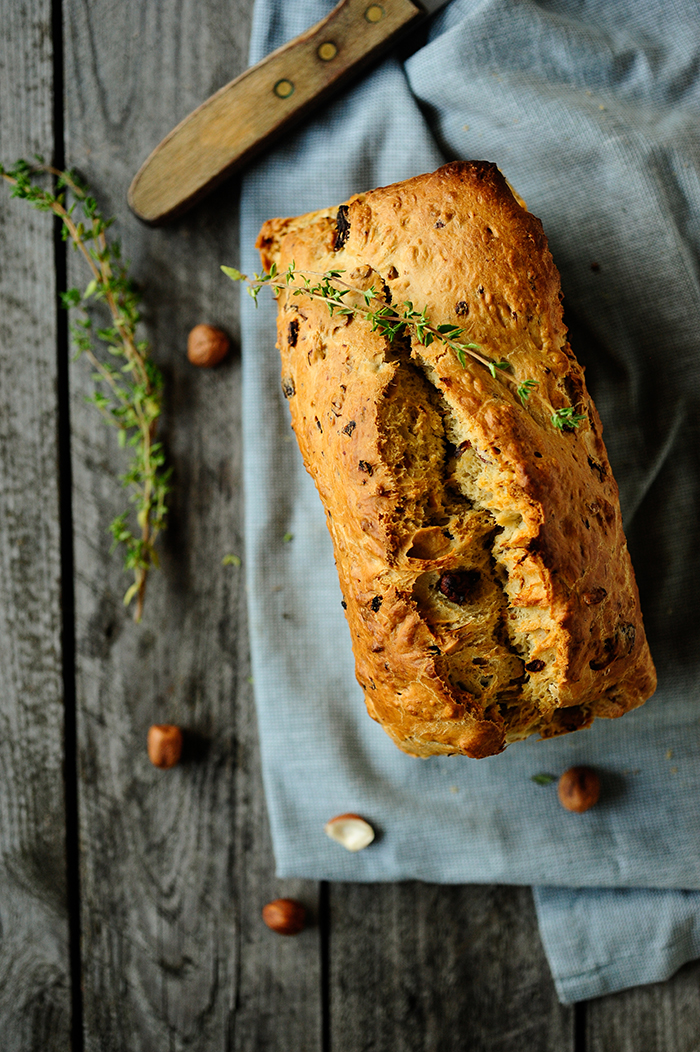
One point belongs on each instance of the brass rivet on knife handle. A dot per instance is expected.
(244, 116)
(327, 51)
(283, 88)
(374, 13)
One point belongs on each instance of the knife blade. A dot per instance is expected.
(243, 117)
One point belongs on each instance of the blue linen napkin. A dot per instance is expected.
(590, 110)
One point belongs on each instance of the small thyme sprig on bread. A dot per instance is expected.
(392, 321)
(567, 418)
(129, 395)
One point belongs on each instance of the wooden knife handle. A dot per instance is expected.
(245, 115)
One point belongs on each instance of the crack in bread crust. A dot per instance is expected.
(480, 551)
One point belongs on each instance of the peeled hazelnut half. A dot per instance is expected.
(285, 916)
(164, 745)
(352, 831)
(207, 346)
(579, 789)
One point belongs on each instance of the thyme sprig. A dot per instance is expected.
(393, 321)
(129, 388)
(567, 418)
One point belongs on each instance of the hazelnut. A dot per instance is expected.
(164, 744)
(579, 789)
(350, 830)
(207, 346)
(285, 916)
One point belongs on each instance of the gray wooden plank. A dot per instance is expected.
(661, 1017)
(34, 942)
(176, 865)
(423, 968)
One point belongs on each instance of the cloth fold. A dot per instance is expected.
(591, 113)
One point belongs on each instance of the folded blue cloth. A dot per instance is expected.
(590, 110)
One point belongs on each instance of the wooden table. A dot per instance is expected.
(130, 898)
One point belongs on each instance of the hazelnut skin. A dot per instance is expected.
(579, 789)
(207, 346)
(285, 916)
(164, 745)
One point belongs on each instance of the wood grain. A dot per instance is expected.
(244, 116)
(422, 968)
(176, 864)
(34, 953)
(662, 1017)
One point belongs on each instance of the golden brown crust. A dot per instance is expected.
(480, 550)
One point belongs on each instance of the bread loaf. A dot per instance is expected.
(477, 534)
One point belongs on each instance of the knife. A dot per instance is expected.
(250, 112)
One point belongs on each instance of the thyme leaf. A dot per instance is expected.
(525, 388)
(567, 419)
(128, 393)
(393, 321)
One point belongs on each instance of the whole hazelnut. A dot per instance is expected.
(579, 789)
(164, 744)
(207, 346)
(285, 916)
